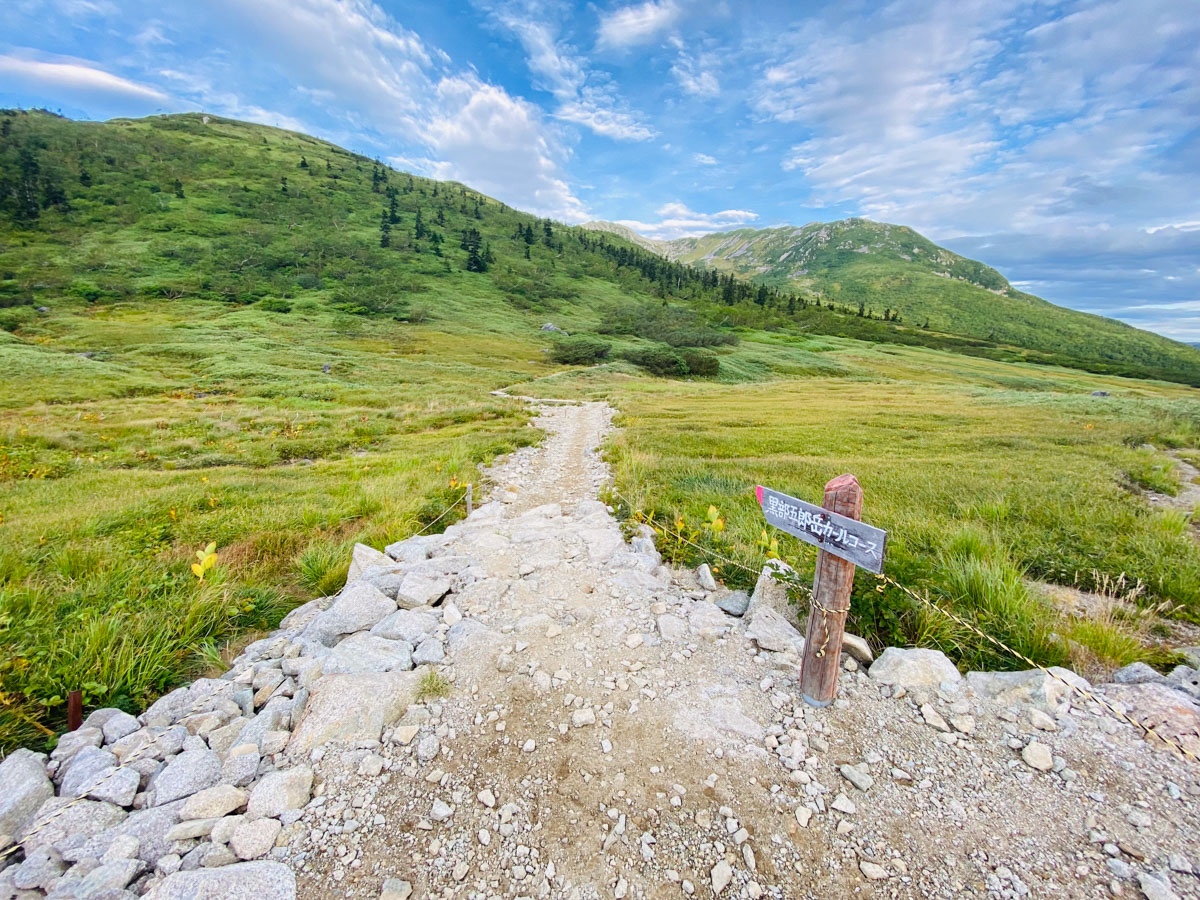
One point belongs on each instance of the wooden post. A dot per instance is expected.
(470, 498)
(74, 710)
(831, 601)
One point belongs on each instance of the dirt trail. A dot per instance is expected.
(610, 732)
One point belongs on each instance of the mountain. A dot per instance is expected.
(878, 267)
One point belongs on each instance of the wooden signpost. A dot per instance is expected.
(844, 542)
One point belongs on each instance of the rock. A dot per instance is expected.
(93, 773)
(771, 631)
(933, 718)
(23, 788)
(239, 769)
(73, 741)
(117, 725)
(213, 802)
(1041, 721)
(705, 578)
(734, 603)
(721, 875)
(1168, 711)
(858, 648)
(583, 717)
(150, 827)
(418, 589)
(913, 668)
(187, 773)
(803, 816)
(412, 550)
(430, 652)
(108, 880)
(191, 829)
(550, 326)
(361, 559)
(857, 776)
(250, 840)
(358, 607)
(1186, 679)
(41, 868)
(872, 871)
(396, 889)
(280, 791)
(1038, 756)
(428, 748)
(671, 628)
(259, 880)
(59, 818)
(1136, 673)
(352, 708)
(363, 652)
(201, 694)
(771, 591)
(1032, 687)
(412, 625)
(222, 830)
(1156, 887)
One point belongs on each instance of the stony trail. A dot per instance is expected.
(607, 730)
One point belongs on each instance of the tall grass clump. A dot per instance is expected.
(322, 567)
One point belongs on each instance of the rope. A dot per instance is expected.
(791, 579)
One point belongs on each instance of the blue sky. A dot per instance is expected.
(1059, 142)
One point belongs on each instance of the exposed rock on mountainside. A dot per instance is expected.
(598, 727)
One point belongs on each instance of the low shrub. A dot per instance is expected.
(579, 350)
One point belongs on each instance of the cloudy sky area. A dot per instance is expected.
(1057, 141)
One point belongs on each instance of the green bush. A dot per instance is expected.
(275, 304)
(579, 350)
(670, 362)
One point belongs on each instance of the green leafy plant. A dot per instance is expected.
(207, 559)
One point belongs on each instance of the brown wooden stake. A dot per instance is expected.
(831, 601)
(74, 710)
(470, 498)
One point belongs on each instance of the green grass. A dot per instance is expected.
(249, 367)
(947, 453)
(432, 685)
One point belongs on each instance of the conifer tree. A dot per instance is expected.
(178, 188)
(303, 163)
(385, 230)
(85, 177)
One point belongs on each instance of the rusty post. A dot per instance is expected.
(831, 601)
(74, 710)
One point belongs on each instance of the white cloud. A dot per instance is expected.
(695, 78)
(362, 68)
(76, 76)
(585, 97)
(678, 220)
(637, 24)
(704, 159)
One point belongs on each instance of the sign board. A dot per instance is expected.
(854, 541)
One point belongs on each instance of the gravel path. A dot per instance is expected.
(618, 736)
(529, 705)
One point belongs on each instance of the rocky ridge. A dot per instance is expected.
(529, 705)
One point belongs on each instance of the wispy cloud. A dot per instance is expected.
(629, 26)
(75, 76)
(678, 220)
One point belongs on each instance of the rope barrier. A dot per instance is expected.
(790, 579)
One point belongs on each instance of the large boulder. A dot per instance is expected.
(189, 772)
(280, 791)
(64, 821)
(412, 625)
(357, 608)
(422, 589)
(706, 618)
(353, 708)
(914, 668)
(1136, 673)
(1031, 687)
(1169, 712)
(361, 559)
(202, 694)
(771, 631)
(364, 652)
(93, 773)
(23, 788)
(259, 880)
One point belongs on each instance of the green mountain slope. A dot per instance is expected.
(857, 262)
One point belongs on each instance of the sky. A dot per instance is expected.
(1056, 141)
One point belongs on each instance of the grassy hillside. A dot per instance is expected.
(207, 334)
(882, 268)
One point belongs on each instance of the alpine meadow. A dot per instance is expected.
(220, 332)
